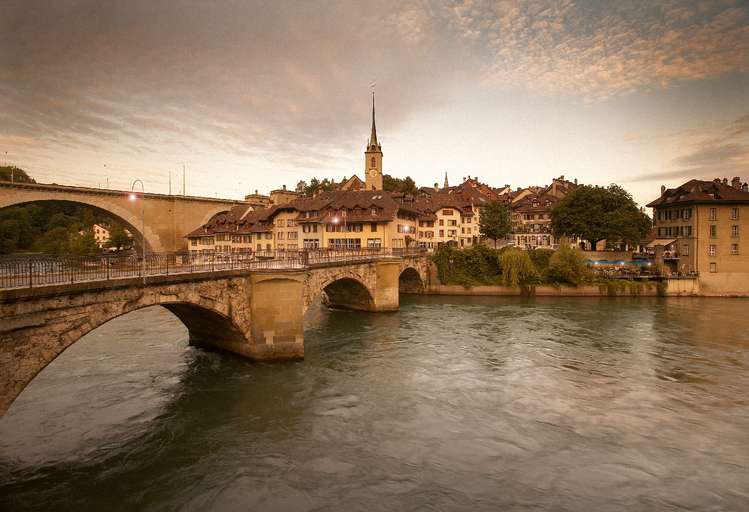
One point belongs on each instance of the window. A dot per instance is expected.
(711, 250)
(685, 250)
(713, 267)
(291, 223)
(374, 242)
(442, 222)
(293, 235)
(280, 223)
(280, 235)
(373, 163)
(735, 230)
(373, 211)
(311, 243)
(713, 214)
(713, 231)
(442, 232)
(373, 227)
(734, 249)
(447, 211)
(193, 241)
(269, 236)
(452, 222)
(734, 213)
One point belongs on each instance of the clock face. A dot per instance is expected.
(373, 172)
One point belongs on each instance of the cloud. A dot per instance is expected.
(284, 86)
(712, 152)
(603, 49)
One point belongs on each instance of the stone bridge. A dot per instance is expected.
(166, 218)
(253, 313)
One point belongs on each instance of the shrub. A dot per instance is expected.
(568, 266)
(477, 265)
(517, 267)
(540, 259)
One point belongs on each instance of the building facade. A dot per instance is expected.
(703, 227)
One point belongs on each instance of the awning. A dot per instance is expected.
(661, 241)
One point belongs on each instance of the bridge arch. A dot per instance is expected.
(129, 220)
(410, 281)
(348, 293)
(33, 339)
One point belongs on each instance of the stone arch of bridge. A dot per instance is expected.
(129, 220)
(410, 281)
(343, 288)
(209, 324)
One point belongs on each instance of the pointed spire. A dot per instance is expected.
(446, 184)
(373, 137)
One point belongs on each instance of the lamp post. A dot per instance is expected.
(134, 197)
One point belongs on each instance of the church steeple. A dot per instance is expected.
(373, 157)
(373, 137)
(447, 185)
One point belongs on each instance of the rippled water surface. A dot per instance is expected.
(449, 404)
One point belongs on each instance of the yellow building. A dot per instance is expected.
(703, 227)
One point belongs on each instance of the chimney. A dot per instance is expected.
(745, 187)
(736, 182)
(717, 180)
(663, 189)
(436, 186)
(725, 181)
(575, 181)
(284, 187)
(255, 191)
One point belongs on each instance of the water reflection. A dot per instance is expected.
(451, 403)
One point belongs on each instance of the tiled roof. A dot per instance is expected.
(700, 191)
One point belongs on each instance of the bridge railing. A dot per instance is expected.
(35, 271)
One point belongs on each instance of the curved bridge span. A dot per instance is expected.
(251, 308)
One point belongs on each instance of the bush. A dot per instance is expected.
(540, 259)
(567, 266)
(476, 265)
(517, 267)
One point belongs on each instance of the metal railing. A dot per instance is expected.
(35, 271)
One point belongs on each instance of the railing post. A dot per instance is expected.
(106, 264)
(31, 275)
(167, 264)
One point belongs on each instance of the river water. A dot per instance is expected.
(450, 404)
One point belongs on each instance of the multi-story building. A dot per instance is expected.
(531, 213)
(703, 227)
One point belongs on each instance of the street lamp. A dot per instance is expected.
(133, 197)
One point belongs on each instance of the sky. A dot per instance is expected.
(253, 95)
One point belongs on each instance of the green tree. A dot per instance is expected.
(404, 185)
(118, 238)
(567, 265)
(13, 173)
(598, 213)
(517, 267)
(81, 244)
(494, 221)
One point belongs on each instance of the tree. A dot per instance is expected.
(13, 173)
(567, 265)
(494, 222)
(118, 238)
(404, 185)
(599, 213)
(517, 267)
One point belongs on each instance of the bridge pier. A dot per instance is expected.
(277, 306)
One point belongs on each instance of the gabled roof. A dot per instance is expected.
(700, 191)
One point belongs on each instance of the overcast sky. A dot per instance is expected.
(253, 95)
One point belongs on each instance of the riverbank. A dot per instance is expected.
(668, 287)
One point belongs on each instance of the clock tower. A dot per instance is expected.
(373, 158)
